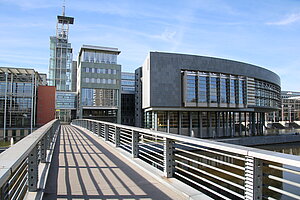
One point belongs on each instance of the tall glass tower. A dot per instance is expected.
(60, 66)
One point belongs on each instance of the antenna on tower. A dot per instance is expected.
(64, 8)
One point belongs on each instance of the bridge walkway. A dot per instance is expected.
(85, 167)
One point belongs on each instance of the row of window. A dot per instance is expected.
(18, 88)
(267, 94)
(99, 97)
(99, 70)
(100, 80)
(99, 57)
(205, 89)
(128, 82)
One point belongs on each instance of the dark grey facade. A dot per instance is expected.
(206, 97)
(139, 115)
(127, 98)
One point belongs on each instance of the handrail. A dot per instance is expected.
(29, 150)
(222, 170)
(233, 148)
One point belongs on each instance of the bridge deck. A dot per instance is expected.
(84, 167)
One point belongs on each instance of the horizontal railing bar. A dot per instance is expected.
(153, 142)
(18, 189)
(161, 165)
(17, 182)
(283, 180)
(203, 187)
(211, 183)
(124, 133)
(159, 154)
(125, 141)
(284, 169)
(212, 167)
(16, 173)
(293, 160)
(142, 151)
(151, 136)
(213, 176)
(283, 192)
(126, 147)
(212, 159)
(152, 146)
(212, 151)
(14, 155)
(182, 138)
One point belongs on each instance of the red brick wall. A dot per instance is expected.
(45, 104)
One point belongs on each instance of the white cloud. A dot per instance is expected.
(292, 18)
(30, 4)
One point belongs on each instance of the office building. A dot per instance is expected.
(138, 112)
(99, 87)
(290, 108)
(127, 98)
(62, 70)
(18, 89)
(206, 97)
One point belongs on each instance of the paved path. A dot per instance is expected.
(85, 167)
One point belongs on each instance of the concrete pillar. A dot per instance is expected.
(168, 122)
(230, 124)
(233, 124)
(5, 107)
(240, 124)
(179, 123)
(192, 134)
(223, 124)
(263, 122)
(209, 130)
(218, 124)
(245, 118)
(200, 125)
(253, 123)
(155, 120)
(226, 124)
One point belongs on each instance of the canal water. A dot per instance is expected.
(287, 148)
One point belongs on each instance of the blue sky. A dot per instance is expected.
(265, 33)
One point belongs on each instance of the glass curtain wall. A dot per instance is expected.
(17, 94)
(60, 66)
(99, 97)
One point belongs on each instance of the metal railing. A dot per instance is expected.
(220, 170)
(19, 164)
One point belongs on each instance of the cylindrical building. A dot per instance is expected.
(206, 97)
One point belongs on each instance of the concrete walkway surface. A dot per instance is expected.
(85, 167)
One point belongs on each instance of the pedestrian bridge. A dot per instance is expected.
(98, 160)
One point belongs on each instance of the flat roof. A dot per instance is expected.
(99, 48)
(13, 70)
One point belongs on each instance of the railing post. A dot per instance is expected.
(47, 137)
(43, 149)
(135, 144)
(117, 136)
(33, 170)
(105, 132)
(97, 129)
(253, 181)
(168, 158)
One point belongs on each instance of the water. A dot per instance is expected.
(287, 148)
(281, 131)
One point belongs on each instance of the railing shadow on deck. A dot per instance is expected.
(223, 171)
(91, 157)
